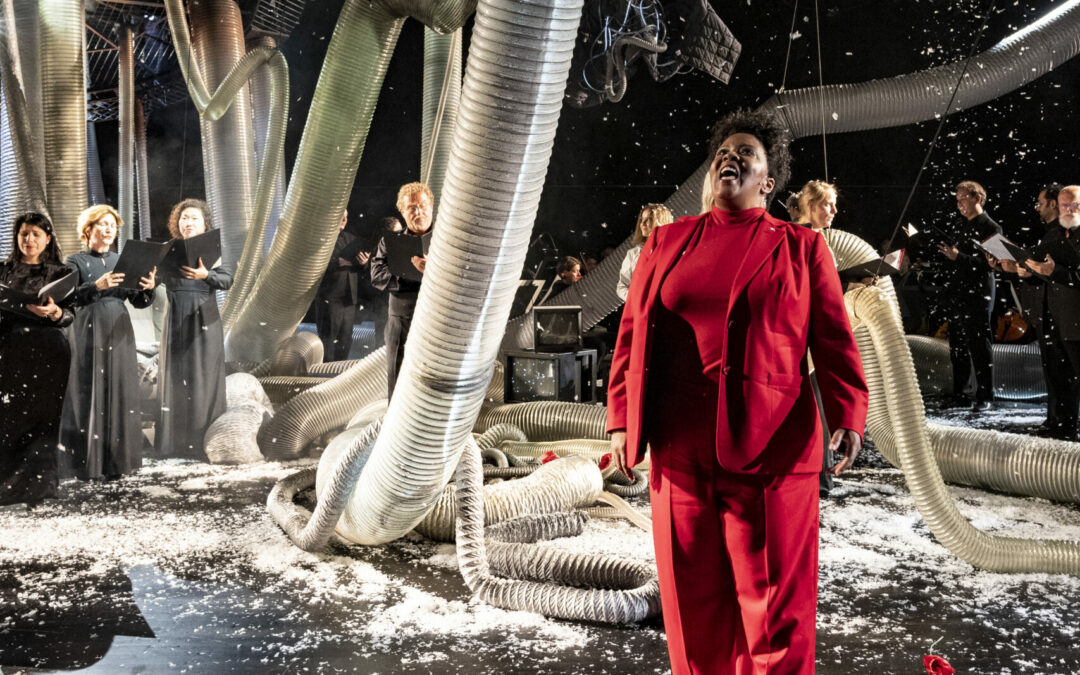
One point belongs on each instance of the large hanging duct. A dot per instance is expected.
(212, 107)
(1024, 56)
(442, 96)
(126, 181)
(217, 36)
(323, 175)
(511, 99)
(63, 102)
(142, 171)
(261, 104)
(95, 184)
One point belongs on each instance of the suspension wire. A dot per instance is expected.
(941, 124)
(821, 90)
(790, 39)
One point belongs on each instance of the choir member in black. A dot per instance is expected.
(415, 201)
(335, 311)
(1061, 318)
(192, 368)
(968, 295)
(100, 432)
(34, 361)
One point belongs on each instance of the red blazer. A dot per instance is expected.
(786, 298)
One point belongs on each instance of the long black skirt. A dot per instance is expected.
(192, 374)
(33, 375)
(100, 430)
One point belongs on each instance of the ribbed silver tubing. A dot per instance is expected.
(126, 163)
(554, 487)
(899, 428)
(511, 99)
(323, 408)
(94, 182)
(283, 388)
(62, 53)
(323, 174)
(262, 102)
(547, 420)
(142, 172)
(1018, 373)
(217, 34)
(442, 97)
(212, 106)
(1020, 58)
(629, 591)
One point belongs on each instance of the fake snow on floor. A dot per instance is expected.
(179, 568)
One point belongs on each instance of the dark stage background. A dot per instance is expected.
(609, 160)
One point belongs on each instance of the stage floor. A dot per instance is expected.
(180, 569)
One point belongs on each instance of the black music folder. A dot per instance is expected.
(880, 267)
(187, 252)
(138, 258)
(400, 249)
(15, 300)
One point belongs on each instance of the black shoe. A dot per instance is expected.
(981, 406)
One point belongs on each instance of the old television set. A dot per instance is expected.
(556, 328)
(550, 376)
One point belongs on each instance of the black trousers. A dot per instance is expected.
(398, 320)
(1048, 372)
(971, 345)
(1063, 378)
(334, 320)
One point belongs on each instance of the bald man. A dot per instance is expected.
(1061, 314)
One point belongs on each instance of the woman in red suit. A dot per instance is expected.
(710, 369)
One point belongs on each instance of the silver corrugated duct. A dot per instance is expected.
(1018, 373)
(1020, 58)
(323, 174)
(94, 182)
(283, 388)
(554, 487)
(261, 104)
(511, 99)
(62, 52)
(898, 426)
(142, 172)
(636, 595)
(296, 355)
(442, 97)
(126, 163)
(328, 406)
(547, 420)
(212, 106)
(217, 36)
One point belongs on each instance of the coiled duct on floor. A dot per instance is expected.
(561, 485)
(322, 178)
(546, 420)
(296, 355)
(62, 50)
(630, 591)
(283, 388)
(902, 425)
(1018, 373)
(498, 434)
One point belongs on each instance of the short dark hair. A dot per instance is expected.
(973, 188)
(567, 265)
(767, 128)
(52, 254)
(1051, 190)
(390, 224)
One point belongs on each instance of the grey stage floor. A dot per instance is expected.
(179, 569)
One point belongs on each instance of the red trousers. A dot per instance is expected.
(737, 554)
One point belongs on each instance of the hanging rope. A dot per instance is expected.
(821, 90)
(790, 39)
(941, 123)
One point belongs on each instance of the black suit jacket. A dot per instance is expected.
(968, 280)
(1063, 291)
(340, 281)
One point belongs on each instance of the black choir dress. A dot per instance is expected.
(100, 432)
(34, 359)
(192, 372)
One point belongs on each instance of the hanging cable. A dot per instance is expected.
(941, 124)
(821, 90)
(790, 39)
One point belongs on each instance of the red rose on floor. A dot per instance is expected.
(935, 665)
(605, 461)
(548, 456)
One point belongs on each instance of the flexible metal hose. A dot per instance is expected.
(94, 182)
(547, 420)
(296, 355)
(266, 309)
(442, 97)
(517, 67)
(557, 486)
(142, 172)
(232, 438)
(126, 133)
(635, 593)
(1018, 373)
(1024, 56)
(902, 425)
(62, 51)
(283, 388)
(262, 103)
